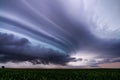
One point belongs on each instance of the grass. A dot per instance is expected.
(59, 74)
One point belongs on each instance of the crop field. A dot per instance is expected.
(59, 74)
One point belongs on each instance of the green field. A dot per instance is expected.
(59, 74)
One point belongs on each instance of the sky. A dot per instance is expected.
(60, 33)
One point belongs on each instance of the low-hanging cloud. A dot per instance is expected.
(20, 49)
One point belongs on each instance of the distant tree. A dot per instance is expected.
(3, 67)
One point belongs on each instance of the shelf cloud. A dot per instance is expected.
(54, 32)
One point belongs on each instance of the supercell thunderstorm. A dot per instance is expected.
(60, 32)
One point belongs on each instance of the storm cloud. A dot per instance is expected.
(44, 32)
(20, 49)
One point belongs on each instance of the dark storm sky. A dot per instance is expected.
(60, 32)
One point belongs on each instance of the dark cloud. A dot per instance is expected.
(96, 63)
(20, 49)
(49, 22)
(9, 39)
(110, 60)
(107, 48)
(45, 59)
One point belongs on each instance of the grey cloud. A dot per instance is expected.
(9, 39)
(20, 49)
(48, 23)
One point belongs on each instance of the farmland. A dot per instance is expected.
(59, 74)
